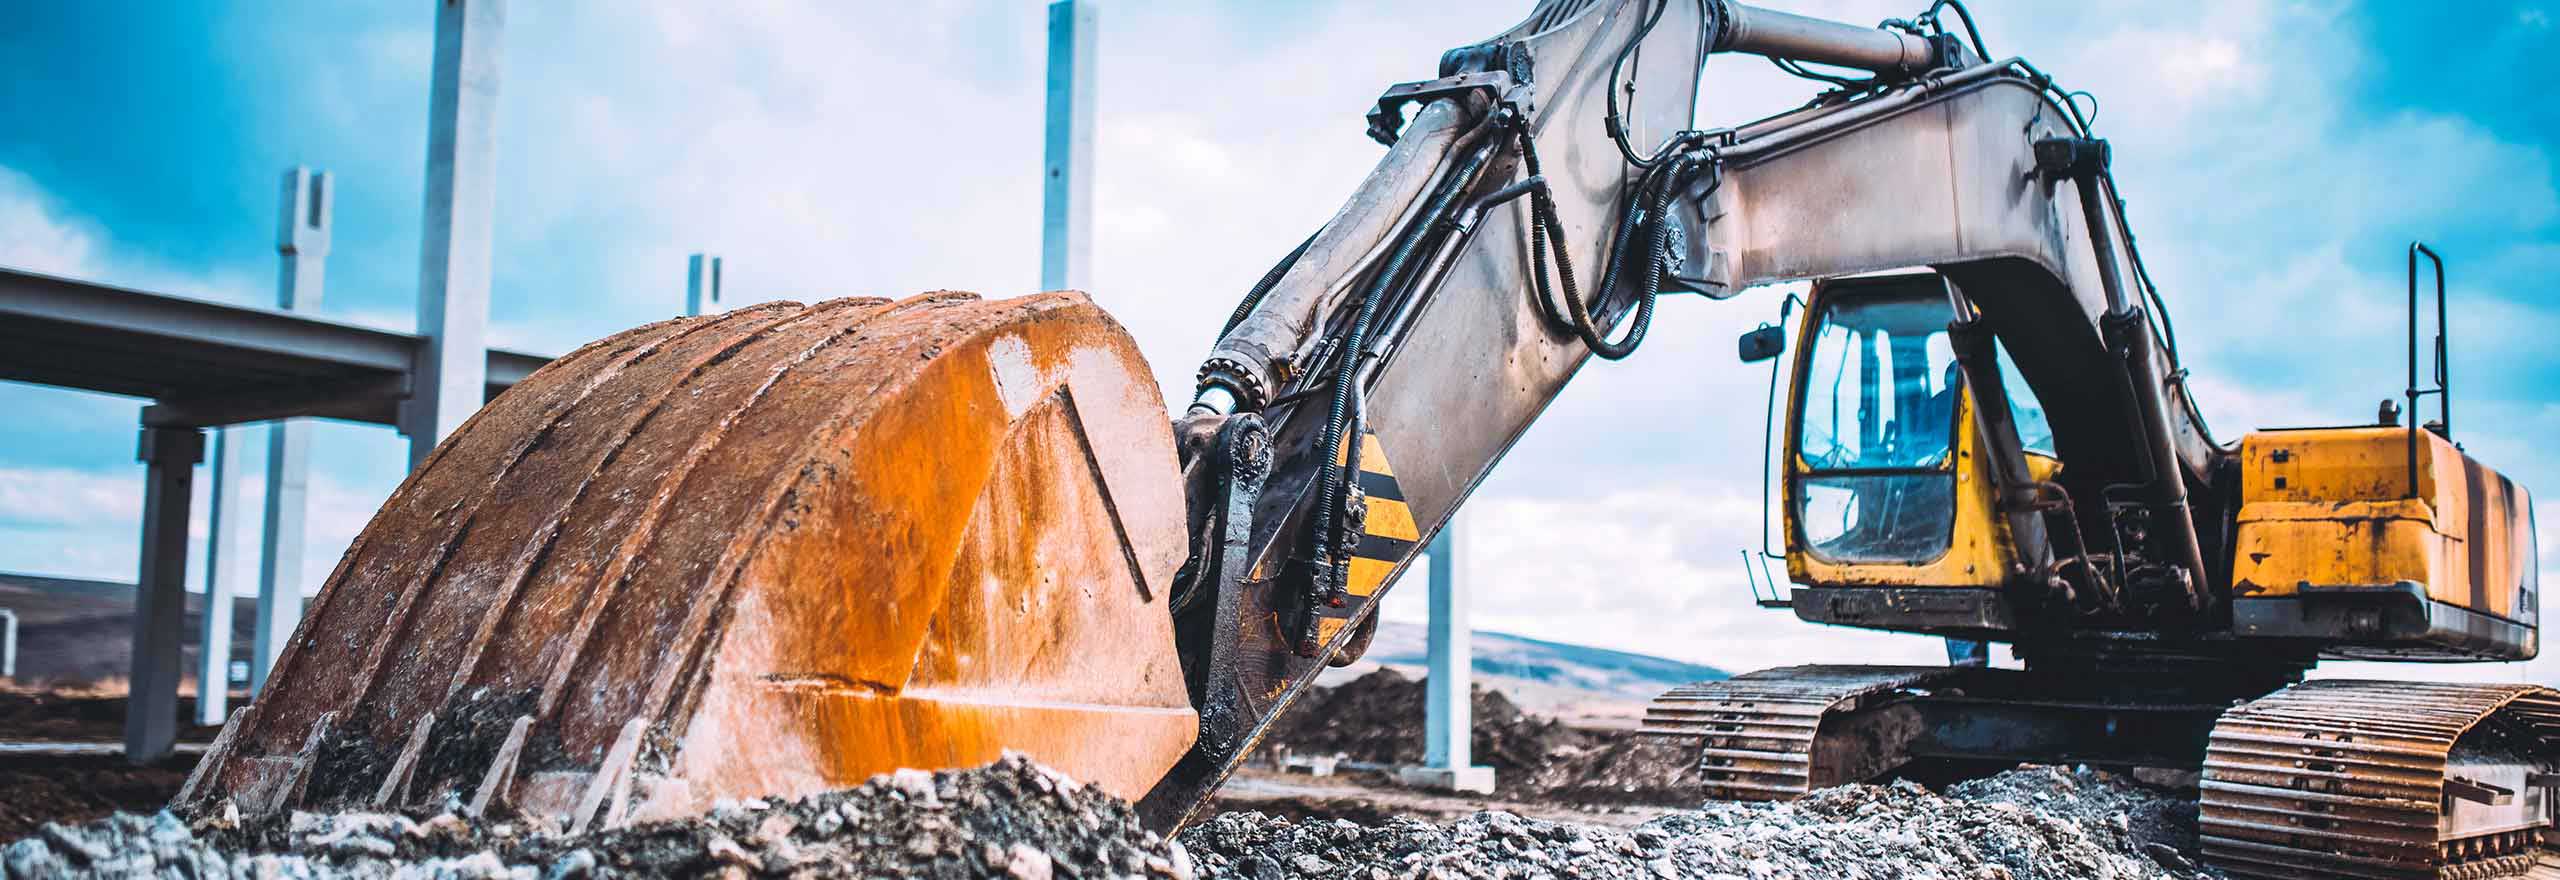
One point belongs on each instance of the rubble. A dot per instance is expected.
(2030, 824)
(1011, 819)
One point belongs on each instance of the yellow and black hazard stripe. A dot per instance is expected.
(1389, 536)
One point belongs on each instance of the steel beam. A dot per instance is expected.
(1066, 218)
(453, 274)
(223, 524)
(160, 594)
(209, 363)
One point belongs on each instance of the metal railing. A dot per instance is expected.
(2444, 400)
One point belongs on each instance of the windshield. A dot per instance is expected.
(1877, 409)
(1881, 388)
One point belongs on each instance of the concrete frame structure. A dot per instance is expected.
(454, 261)
(160, 593)
(701, 284)
(302, 249)
(213, 635)
(1066, 204)
(1448, 722)
(207, 364)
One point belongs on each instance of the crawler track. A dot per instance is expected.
(1776, 734)
(2350, 779)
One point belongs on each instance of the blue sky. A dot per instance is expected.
(2277, 157)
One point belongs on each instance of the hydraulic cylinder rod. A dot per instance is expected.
(1758, 31)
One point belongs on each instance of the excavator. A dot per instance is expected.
(785, 548)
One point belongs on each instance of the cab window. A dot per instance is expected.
(1876, 429)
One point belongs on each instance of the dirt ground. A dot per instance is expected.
(35, 789)
(48, 786)
(56, 716)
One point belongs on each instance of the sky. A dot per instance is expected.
(2276, 157)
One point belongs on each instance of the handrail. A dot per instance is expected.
(2443, 386)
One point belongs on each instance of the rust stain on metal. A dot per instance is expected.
(801, 545)
(2340, 778)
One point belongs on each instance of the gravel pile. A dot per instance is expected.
(1011, 819)
(2031, 824)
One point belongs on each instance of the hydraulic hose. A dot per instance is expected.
(1262, 288)
(1328, 590)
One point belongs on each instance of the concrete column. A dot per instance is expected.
(8, 643)
(701, 285)
(453, 272)
(1066, 216)
(302, 243)
(1448, 728)
(160, 593)
(213, 638)
(280, 553)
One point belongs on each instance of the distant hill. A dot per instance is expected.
(76, 633)
(1575, 667)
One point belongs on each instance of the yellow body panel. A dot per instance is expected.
(2335, 507)
(1388, 533)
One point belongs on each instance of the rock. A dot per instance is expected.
(2033, 824)
(721, 850)
(776, 828)
(917, 785)
(1027, 862)
(577, 864)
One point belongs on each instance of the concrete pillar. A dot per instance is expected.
(223, 524)
(1066, 216)
(453, 272)
(160, 592)
(8, 643)
(1448, 728)
(302, 244)
(701, 285)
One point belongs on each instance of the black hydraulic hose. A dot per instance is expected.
(1330, 480)
(1653, 246)
(1262, 288)
(1647, 205)
(1617, 126)
(1966, 15)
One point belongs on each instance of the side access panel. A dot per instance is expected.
(2383, 543)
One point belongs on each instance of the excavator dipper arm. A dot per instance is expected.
(1549, 186)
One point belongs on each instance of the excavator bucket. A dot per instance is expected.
(769, 552)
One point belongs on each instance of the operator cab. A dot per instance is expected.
(1891, 489)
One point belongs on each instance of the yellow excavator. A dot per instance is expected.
(785, 548)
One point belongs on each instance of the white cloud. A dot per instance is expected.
(34, 236)
(65, 497)
(40, 234)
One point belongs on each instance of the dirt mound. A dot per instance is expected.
(1012, 818)
(2033, 824)
(1377, 718)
